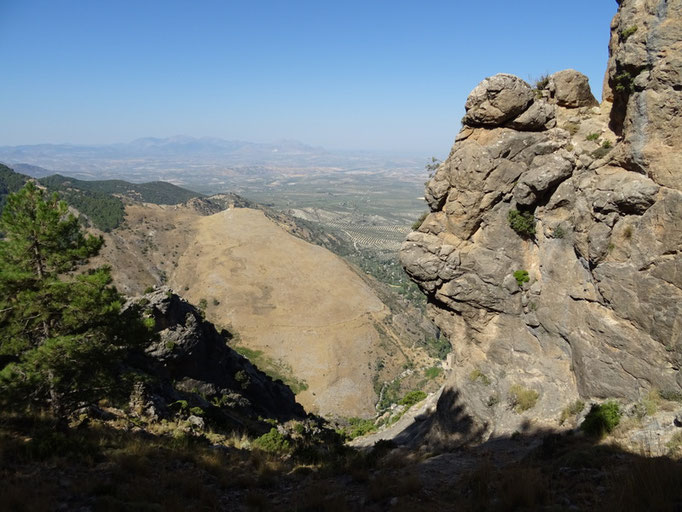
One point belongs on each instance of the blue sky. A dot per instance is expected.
(375, 74)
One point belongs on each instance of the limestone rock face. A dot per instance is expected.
(644, 81)
(600, 313)
(571, 89)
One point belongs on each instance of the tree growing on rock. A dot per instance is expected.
(62, 334)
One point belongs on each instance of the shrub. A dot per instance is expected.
(521, 277)
(359, 427)
(625, 83)
(602, 419)
(203, 304)
(558, 232)
(273, 442)
(412, 398)
(521, 399)
(542, 82)
(600, 153)
(477, 374)
(417, 223)
(571, 410)
(572, 128)
(593, 136)
(607, 144)
(626, 33)
(522, 222)
(149, 289)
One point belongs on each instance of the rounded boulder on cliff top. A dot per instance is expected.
(496, 100)
(570, 88)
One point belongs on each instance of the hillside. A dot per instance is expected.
(157, 192)
(300, 311)
(10, 181)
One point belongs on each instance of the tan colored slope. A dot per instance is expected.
(295, 301)
(317, 323)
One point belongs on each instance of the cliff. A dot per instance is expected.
(551, 256)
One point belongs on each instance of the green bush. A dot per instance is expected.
(521, 277)
(521, 399)
(522, 222)
(273, 442)
(412, 398)
(593, 136)
(625, 82)
(602, 419)
(625, 34)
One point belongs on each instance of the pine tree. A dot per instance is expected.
(62, 334)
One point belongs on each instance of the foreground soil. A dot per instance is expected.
(101, 468)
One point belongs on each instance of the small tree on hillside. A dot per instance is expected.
(62, 334)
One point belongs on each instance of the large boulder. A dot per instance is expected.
(496, 100)
(571, 89)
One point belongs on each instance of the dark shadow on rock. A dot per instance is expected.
(449, 426)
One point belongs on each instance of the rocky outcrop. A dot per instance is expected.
(644, 81)
(190, 363)
(571, 89)
(551, 262)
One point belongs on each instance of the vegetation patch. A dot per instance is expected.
(273, 442)
(478, 375)
(433, 372)
(522, 222)
(438, 347)
(412, 398)
(521, 277)
(593, 136)
(521, 399)
(417, 223)
(358, 427)
(558, 232)
(572, 128)
(626, 33)
(571, 411)
(602, 419)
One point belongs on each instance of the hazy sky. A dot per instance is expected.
(369, 74)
